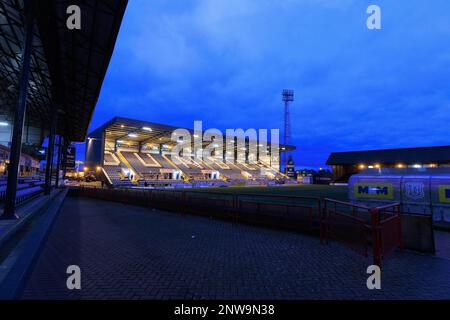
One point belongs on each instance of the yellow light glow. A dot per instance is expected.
(362, 166)
(400, 165)
(377, 166)
(85, 168)
(98, 168)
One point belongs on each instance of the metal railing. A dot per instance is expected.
(360, 227)
(282, 210)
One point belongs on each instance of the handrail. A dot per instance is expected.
(348, 216)
(347, 203)
(278, 203)
(388, 206)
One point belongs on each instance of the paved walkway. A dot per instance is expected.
(130, 252)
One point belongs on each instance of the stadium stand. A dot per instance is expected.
(151, 168)
(51, 76)
(113, 169)
(27, 188)
(157, 169)
(230, 171)
(135, 162)
(162, 160)
(140, 152)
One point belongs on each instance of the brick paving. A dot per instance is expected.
(130, 252)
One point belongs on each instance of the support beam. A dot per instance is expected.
(50, 149)
(58, 161)
(19, 114)
(64, 157)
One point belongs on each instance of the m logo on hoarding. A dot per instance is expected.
(373, 190)
(444, 193)
(414, 190)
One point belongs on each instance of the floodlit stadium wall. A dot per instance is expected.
(94, 150)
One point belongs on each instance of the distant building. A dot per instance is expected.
(290, 168)
(345, 164)
(27, 165)
(309, 176)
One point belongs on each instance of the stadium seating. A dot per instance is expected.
(27, 188)
(161, 160)
(229, 171)
(188, 165)
(110, 159)
(113, 169)
(140, 165)
(156, 169)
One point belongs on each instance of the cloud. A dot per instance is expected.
(226, 62)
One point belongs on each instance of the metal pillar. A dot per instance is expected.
(50, 149)
(19, 114)
(58, 161)
(64, 158)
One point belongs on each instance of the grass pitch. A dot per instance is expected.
(323, 191)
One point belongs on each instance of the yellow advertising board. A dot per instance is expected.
(444, 193)
(374, 190)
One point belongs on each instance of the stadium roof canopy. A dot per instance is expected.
(67, 66)
(142, 132)
(404, 155)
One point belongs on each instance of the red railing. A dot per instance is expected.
(360, 226)
(389, 229)
(300, 211)
(244, 207)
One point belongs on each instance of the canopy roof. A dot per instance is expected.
(130, 130)
(67, 67)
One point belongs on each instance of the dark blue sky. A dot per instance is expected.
(226, 62)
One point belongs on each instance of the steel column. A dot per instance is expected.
(50, 149)
(19, 114)
(64, 157)
(58, 161)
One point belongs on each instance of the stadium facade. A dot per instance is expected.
(345, 164)
(125, 152)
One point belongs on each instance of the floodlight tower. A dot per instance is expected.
(288, 96)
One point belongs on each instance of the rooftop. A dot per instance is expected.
(404, 155)
(67, 66)
(143, 132)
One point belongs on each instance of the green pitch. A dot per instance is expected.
(323, 191)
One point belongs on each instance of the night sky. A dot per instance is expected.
(226, 62)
